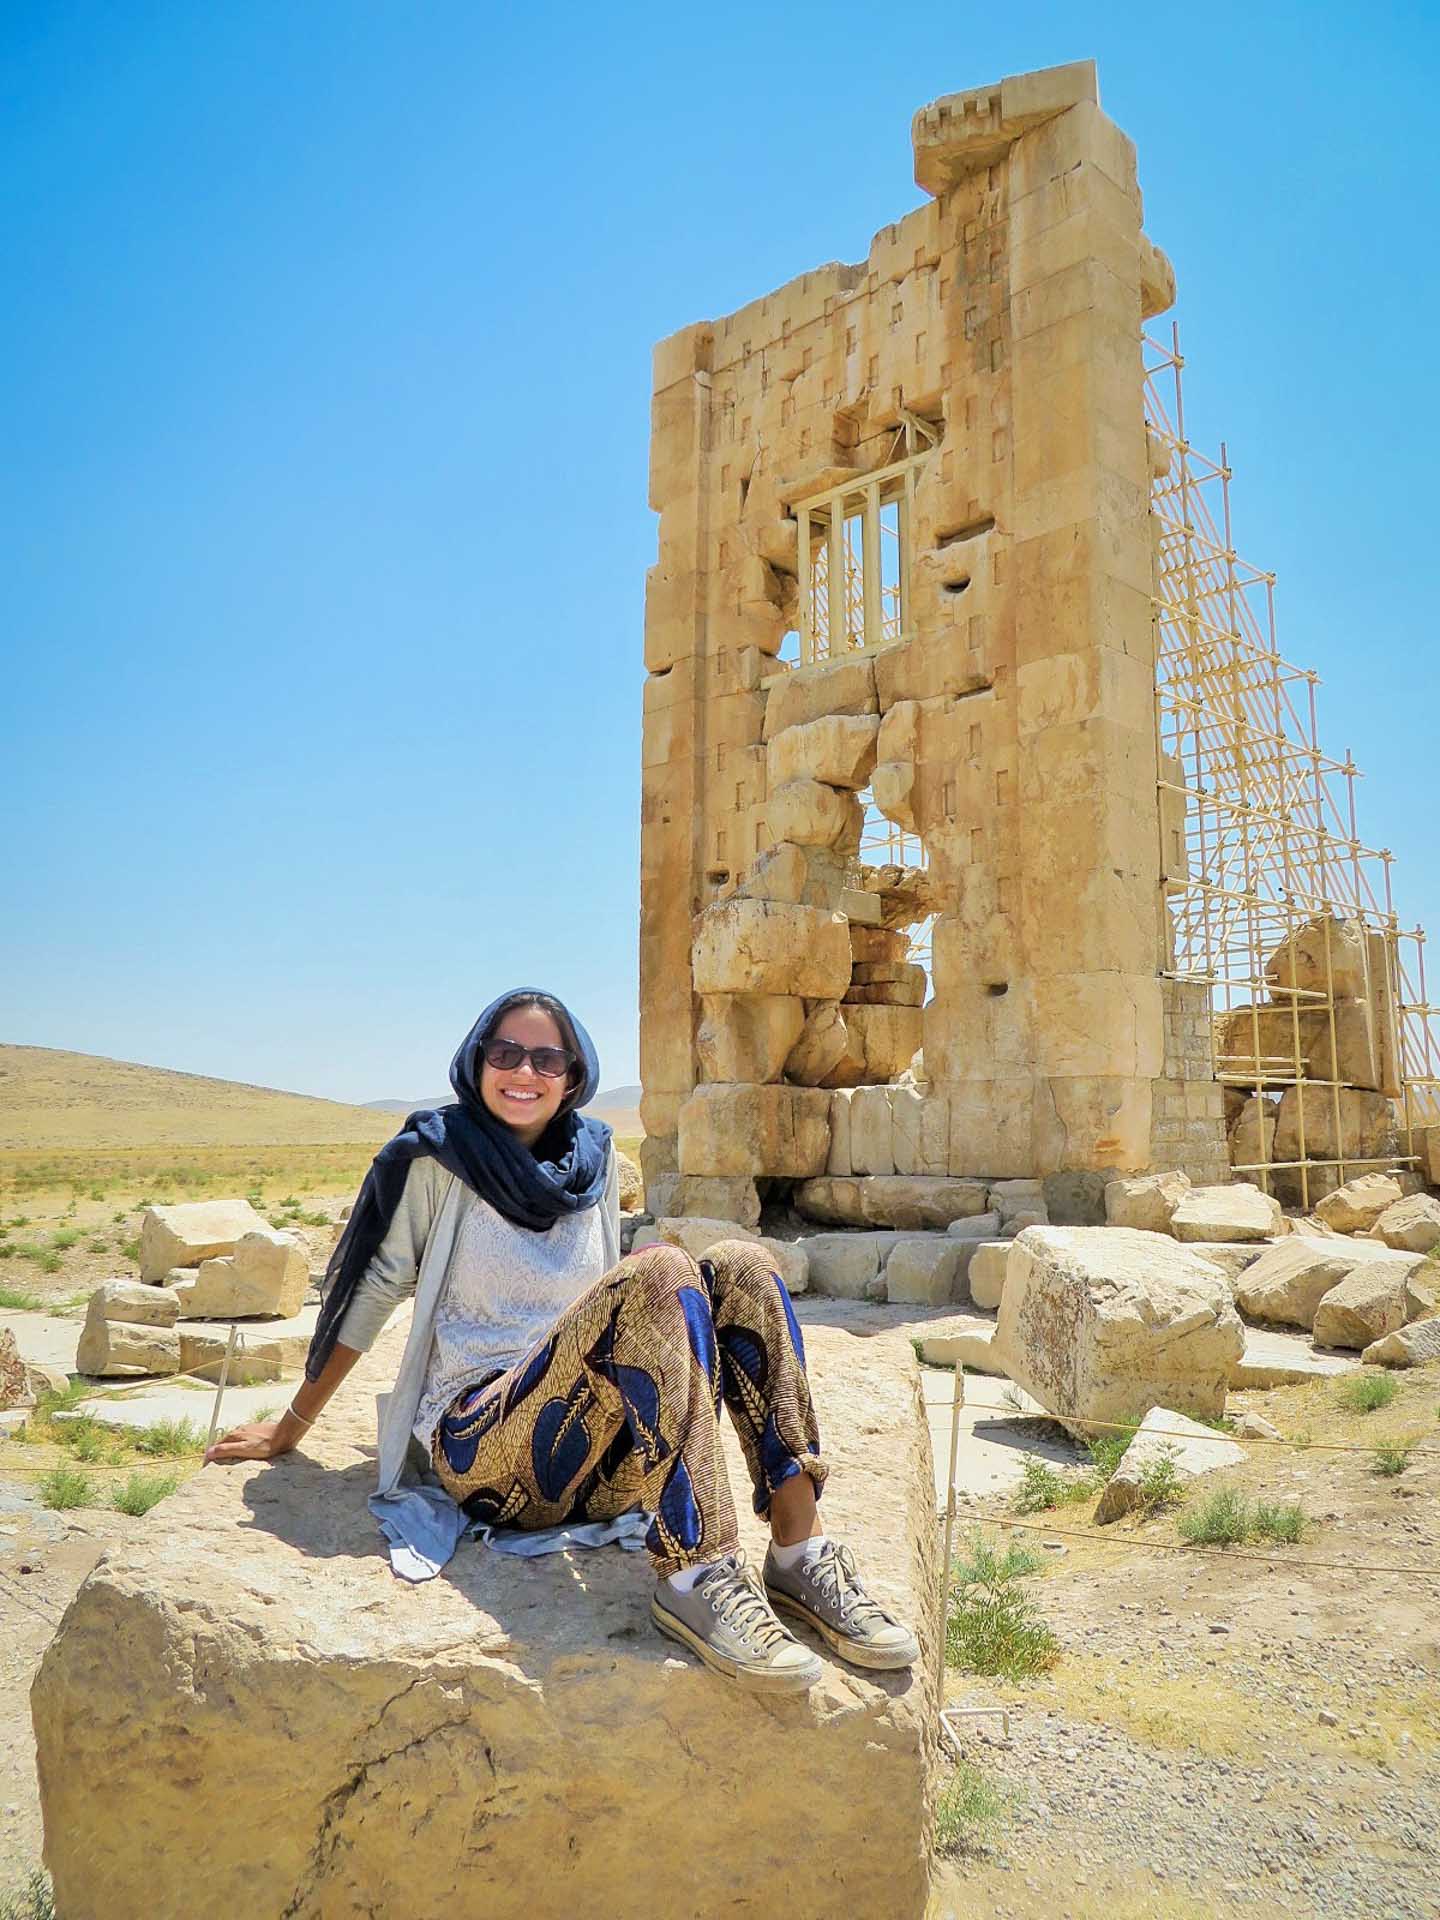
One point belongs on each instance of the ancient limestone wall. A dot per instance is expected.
(1009, 723)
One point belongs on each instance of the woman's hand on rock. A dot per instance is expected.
(260, 1440)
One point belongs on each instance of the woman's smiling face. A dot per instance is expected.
(525, 1100)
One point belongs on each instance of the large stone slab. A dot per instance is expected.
(771, 947)
(135, 1302)
(122, 1348)
(838, 749)
(195, 1230)
(1103, 1323)
(783, 1132)
(1288, 1282)
(894, 1200)
(515, 1730)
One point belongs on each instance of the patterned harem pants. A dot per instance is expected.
(619, 1406)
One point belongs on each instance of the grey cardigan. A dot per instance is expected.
(420, 1520)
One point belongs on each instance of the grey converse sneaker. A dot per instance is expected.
(826, 1592)
(727, 1620)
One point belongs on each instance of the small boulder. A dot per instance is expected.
(1236, 1212)
(1355, 1207)
(132, 1301)
(1372, 1300)
(1193, 1448)
(1146, 1202)
(1411, 1224)
(1103, 1323)
(632, 1184)
(922, 1271)
(1413, 1346)
(267, 1274)
(1254, 1426)
(1287, 1283)
(196, 1230)
(124, 1348)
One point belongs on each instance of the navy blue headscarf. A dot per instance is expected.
(565, 1173)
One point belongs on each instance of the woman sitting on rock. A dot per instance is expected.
(558, 1389)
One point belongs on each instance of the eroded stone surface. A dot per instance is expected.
(267, 1273)
(1103, 1323)
(1236, 1212)
(1146, 1202)
(1371, 1301)
(383, 1739)
(1355, 1207)
(1288, 1282)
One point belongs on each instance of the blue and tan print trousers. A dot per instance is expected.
(619, 1406)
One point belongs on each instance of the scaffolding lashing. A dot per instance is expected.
(1320, 1026)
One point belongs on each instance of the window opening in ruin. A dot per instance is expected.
(854, 552)
(1290, 967)
(884, 843)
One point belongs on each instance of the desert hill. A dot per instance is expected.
(50, 1098)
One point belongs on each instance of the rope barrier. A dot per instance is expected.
(1211, 1553)
(1175, 1433)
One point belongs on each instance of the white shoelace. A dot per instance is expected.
(739, 1601)
(833, 1572)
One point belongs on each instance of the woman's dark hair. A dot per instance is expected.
(547, 1003)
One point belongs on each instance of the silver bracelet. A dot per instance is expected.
(298, 1416)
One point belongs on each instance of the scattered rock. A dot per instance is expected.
(1288, 1282)
(1147, 1202)
(1411, 1224)
(196, 1230)
(1254, 1426)
(1236, 1212)
(1355, 1207)
(1412, 1346)
(1232, 1257)
(844, 1264)
(1193, 1448)
(1368, 1303)
(1103, 1323)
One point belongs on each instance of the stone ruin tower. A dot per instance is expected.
(903, 898)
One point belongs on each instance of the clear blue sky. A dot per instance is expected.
(325, 354)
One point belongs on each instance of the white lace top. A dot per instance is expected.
(505, 1287)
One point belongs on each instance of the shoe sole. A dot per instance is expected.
(757, 1679)
(877, 1659)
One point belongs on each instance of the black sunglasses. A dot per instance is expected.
(506, 1055)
